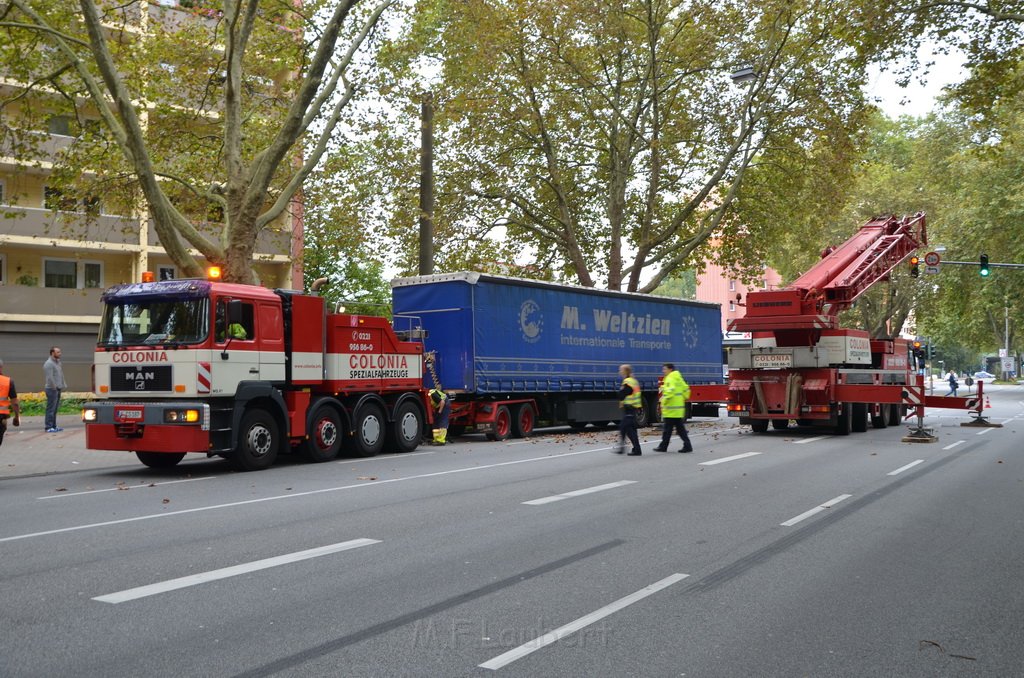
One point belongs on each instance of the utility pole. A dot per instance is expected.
(427, 184)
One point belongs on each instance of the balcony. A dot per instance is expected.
(180, 18)
(50, 301)
(47, 224)
(26, 150)
(268, 242)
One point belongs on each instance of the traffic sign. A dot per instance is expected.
(932, 270)
(932, 259)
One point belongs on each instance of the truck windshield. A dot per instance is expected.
(154, 321)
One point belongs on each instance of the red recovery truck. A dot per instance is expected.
(802, 366)
(247, 373)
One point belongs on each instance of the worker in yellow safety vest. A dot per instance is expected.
(674, 393)
(442, 405)
(630, 401)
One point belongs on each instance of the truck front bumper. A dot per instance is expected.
(147, 426)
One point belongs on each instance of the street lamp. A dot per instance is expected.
(743, 75)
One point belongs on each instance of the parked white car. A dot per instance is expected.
(984, 375)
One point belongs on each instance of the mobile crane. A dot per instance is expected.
(802, 366)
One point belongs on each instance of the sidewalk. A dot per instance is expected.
(29, 450)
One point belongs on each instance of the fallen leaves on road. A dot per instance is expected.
(366, 477)
(61, 489)
(166, 501)
(922, 644)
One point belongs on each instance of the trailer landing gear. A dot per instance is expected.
(980, 422)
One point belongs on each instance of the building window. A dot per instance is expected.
(3, 193)
(764, 283)
(72, 274)
(56, 199)
(165, 273)
(732, 285)
(732, 305)
(3, 269)
(59, 124)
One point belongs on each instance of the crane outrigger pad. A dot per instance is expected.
(920, 435)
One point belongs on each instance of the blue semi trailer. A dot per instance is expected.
(514, 352)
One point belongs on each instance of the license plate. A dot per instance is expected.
(134, 414)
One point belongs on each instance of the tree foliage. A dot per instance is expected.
(215, 118)
(608, 142)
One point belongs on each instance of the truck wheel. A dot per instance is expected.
(894, 415)
(843, 420)
(759, 425)
(522, 425)
(258, 442)
(160, 459)
(881, 420)
(780, 424)
(407, 429)
(502, 424)
(370, 427)
(324, 441)
(860, 417)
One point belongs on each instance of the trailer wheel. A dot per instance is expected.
(522, 425)
(502, 424)
(324, 441)
(881, 420)
(860, 417)
(780, 424)
(160, 459)
(759, 425)
(642, 416)
(407, 429)
(258, 442)
(843, 420)
(369, 431)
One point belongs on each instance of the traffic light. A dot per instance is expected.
(914, 266)
(930, 351)
(984, 266)
(918, 349)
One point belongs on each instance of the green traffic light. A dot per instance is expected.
(983, 261)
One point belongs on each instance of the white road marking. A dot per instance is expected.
(725, 459)
(816, 509)
(384, 457)
(952, 445)
(810, 440)
(233, 571)
(982, 431)
(901, 469)
(278, 497)
(572, 627)
(124, 487)
(577, 493)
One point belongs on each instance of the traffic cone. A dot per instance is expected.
(988, 405)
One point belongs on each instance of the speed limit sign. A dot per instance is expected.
(931, 259)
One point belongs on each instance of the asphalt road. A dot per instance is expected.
(793, 553)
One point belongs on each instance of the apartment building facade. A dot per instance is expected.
(59, 251)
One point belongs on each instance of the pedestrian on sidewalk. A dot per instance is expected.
(55, 385)
(674, 393)
(953, 385)
(8, 403)
(630, 400)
